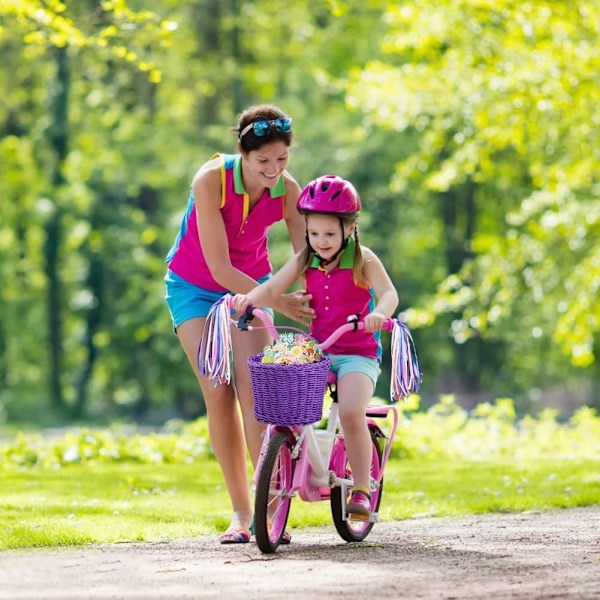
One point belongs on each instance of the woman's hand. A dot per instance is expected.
(374, 321)
(294, 306)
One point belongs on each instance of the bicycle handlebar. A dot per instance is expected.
(215, 345)
(250, 313)
(266, 319)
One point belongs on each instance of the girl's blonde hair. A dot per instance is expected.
(358, 267)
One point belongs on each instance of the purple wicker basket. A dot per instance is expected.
(288, 394)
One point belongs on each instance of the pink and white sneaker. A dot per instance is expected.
(359, 506)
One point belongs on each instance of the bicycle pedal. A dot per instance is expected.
(358, 517)
(372, 518)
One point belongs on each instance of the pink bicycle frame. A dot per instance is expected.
(312, 478)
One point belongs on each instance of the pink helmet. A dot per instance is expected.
(329, 194)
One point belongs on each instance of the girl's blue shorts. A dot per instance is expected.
(188, 301)
(342, 364)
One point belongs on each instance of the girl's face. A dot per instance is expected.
(264, 166)
(325, 234)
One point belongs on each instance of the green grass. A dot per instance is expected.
(109, 503)
(117, 485)
(118, 502)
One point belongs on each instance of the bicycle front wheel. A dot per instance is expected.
(273, 489)
(350, 530)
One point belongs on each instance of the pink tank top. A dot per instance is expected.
(335, 297)
(246, 230)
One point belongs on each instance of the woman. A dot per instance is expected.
(222, 248)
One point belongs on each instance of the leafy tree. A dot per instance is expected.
(46, 44)
(503, 100)
(433, 110)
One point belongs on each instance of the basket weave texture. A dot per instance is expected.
(288, 394)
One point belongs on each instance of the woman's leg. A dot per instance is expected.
(354, 393)
(224, 427)
(245, 344)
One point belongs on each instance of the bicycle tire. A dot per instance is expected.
(272, 501)
(350, 530)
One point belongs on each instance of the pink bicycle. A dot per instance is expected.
(298, 459)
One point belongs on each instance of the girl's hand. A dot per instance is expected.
(240, 302)
(374, 322)
(294, 306)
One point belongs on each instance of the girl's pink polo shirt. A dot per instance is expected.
(335, 297)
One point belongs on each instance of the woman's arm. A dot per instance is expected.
(269, 292)
(294, 305)
(293, 219)
(385, 292)
(211, 229)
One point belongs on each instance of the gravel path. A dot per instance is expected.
(529, 555)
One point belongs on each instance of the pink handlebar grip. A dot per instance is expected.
(388, 324)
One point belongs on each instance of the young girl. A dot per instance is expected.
(343, 279)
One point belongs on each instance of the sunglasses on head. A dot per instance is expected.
(261, 128)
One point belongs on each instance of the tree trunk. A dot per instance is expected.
(236, 55)
(58, 138)
(208, 18)
(459, 216)
(95, 283)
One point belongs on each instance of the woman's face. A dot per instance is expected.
(265, 165)
(325, 234)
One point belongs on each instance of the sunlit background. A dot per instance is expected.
(471, 130)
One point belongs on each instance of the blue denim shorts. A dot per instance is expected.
(342, 364)
(187, 301)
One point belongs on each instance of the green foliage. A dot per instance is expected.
(444, 431)
(469, 130)
(503, 101)
(113, 30)
(492, 432)
(181, 444)
(89, 203)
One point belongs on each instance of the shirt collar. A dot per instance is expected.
(276, 191)
(346, 260)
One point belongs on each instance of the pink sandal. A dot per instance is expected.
(235, 535)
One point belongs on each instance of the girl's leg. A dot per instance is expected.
(354, 393)
(224, 427)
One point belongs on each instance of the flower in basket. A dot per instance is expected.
(292, 349)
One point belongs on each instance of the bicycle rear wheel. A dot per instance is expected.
(350, 530)
(273, 489)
